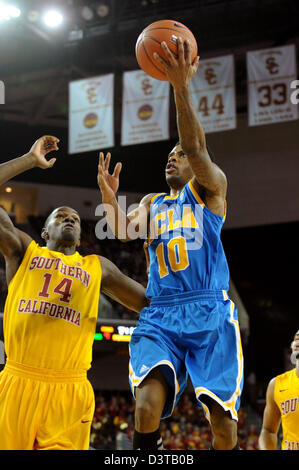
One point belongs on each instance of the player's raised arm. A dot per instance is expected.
(208, 175)
(36, 157)
(123, 225)
(271, 421)
(121, 288)
(14, 242)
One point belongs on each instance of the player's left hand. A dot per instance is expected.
(41, 148)
(180, 70)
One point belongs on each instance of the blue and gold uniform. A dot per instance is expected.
(191, 326)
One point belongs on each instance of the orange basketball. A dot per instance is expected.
(149, 41)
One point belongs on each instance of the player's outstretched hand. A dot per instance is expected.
(179, 70)
(41, 148)
(108, 183)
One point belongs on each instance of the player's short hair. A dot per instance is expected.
(57, 208)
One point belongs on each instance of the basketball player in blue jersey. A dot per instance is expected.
(191, 326)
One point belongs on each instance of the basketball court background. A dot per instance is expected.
(261, 233)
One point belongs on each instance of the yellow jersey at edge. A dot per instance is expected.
(286, 396)
(51, 309)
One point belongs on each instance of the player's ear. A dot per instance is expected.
(45, 234)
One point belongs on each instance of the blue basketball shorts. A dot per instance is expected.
(195, 334)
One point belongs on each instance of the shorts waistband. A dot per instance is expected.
(44, 375)
(192, 296)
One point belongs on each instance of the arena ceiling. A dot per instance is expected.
(37, 64)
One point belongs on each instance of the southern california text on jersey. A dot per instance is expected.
(51, 298)
(286, 396)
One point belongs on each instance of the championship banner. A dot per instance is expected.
(213, 94)
(145, 109)
(270, 73)
(91, 120)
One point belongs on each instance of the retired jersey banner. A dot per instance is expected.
(91, 120)
(213, 94)
(145, 109)
(270, 73)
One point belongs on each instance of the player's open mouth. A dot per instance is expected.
(170, 168)
(68, 226)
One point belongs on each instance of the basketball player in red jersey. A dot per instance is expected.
(46, 400)
(282, 406)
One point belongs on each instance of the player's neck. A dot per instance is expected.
(61, 247)
(175, 191)
(297, 368)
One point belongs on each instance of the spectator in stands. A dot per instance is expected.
(123, 439)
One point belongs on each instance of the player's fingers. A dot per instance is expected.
(101, 171)
(51, 162)
(160, 60)
(195, 64)
(107, 161)
(101, 160)
(117, 170)
(168, 53)
(49, 148)
(49, 140)
(187, 52)
(181, 52)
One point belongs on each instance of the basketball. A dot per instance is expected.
(149, 41)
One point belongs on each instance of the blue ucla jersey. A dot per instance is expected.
(184, 248)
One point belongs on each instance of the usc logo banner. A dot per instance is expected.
(91, 114)
(145, 109)
(270, 75)
(213, 94)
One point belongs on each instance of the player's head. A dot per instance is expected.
(178, 171)
(295, 348)
(63, 225)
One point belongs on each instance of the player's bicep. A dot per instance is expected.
(208, 174)
(121, 288)
(9, 238)
(13, 242)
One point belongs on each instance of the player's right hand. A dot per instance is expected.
(108, 183)
(41, 148)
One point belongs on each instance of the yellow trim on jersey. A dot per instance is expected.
(135, 380)
(225, 295)
(154, 197)
(172, 197)
(225, 210)
(196, 195)
(229, 404)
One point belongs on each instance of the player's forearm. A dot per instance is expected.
(267, 440)
(12, 168)
(117, 219)
(191, 133)
(133, 297)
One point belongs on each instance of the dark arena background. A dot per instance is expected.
(261, 232)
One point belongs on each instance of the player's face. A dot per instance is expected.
(178, 171)
(64, 225)
(295, 345)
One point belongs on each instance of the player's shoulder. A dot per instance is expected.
(149, 199)
(285, 375)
